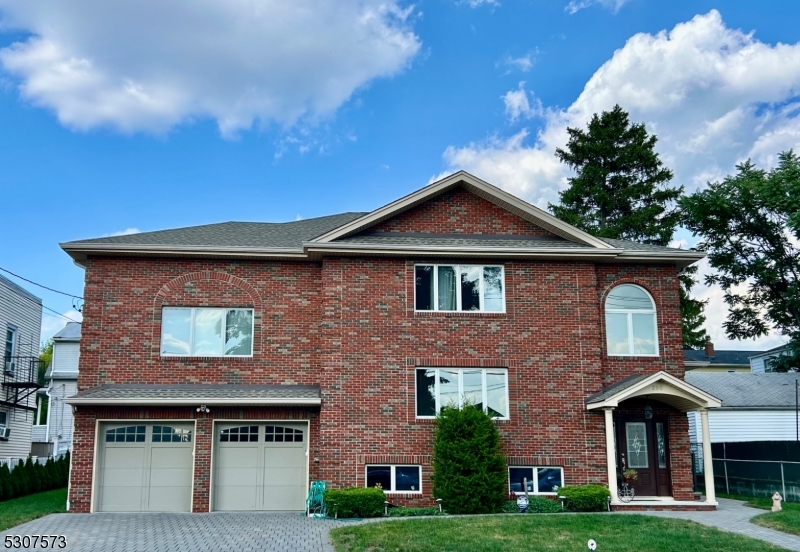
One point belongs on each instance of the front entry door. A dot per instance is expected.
(642, 445)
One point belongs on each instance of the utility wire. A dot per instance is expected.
(61, 315)
(40, 285)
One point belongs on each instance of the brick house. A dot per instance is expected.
(225, 366)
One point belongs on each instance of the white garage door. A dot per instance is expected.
(260, 466)
(145, 467)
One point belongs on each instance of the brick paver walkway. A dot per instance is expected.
(734, 516)
(289, 532)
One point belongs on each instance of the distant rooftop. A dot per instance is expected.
(747, 390)
(721, 358)
(70, 332)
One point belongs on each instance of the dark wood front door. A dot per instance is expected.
(642, 445)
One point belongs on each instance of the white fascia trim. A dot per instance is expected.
(665, 255)
(614, 400)
(204, 249)
(560, 227)
(193, 402)
(696, 363)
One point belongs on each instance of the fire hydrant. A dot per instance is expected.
(776, 502)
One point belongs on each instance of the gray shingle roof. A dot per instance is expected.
(747, 390)
(212, 393)
(279, 235)
(452, 241)
(628, 245)
(70, 332)
(727, 358)
(621, 385)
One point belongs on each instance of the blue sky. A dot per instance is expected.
(138, 116)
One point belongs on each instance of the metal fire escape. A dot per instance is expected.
(20, 381)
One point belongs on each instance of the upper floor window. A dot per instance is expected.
(459, 288)
(11, 342)
(631, 322)
(484, 388)
(206, 332)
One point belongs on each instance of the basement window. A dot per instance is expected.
(459, 288)
(395, 479)
(206, 332)
(540, 480)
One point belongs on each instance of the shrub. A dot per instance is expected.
(354, 502)
(6, 488)
(585, 498)
(536, 505)
(22, 483)
(469, 470)
(402, 511)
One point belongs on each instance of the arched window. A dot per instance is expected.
(631, 322)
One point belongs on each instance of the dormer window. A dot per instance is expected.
(454, 288)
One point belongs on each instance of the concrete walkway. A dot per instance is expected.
(734, 516)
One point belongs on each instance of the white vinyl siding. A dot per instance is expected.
(59, 414)
(23, 311)
(66, 356)
(728, 426)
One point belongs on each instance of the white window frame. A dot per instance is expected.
(535, 479)
(630, 313)
(457, 268)
(3, 418)
(13, 350)
(392, 472)
(484, 390)
(191, 331)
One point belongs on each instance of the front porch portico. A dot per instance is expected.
(653, 460)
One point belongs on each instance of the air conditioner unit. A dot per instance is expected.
(9, 367)
(5, 432)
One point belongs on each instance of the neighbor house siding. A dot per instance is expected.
(23, 311)
(59, 414)
(757, 365)
(65, 357)
(729, 426)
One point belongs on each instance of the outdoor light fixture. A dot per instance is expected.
(648, 412)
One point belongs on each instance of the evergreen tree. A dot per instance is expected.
(5, 482)
(621, 191)
(469, 469)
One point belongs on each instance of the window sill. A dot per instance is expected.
(633, 356)
(203, 359)
(432, 419)
(520, 493)
(457, 314)
(403, 493)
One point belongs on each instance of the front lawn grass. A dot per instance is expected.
(787, 520)
(19, 510)
(557, 532)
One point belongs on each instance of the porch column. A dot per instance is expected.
(708, 464)
(611, 460)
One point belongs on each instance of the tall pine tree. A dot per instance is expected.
(621, 190)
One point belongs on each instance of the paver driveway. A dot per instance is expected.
(258, 532)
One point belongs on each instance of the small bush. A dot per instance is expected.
(469, 469)
(585, 498)
(536, 505)
(402, 511)
(353, 502)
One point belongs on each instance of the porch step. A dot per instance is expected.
(664, 505)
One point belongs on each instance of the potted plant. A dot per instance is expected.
(630, 475)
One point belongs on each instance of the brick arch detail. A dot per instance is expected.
(223, 277)
(205, 275)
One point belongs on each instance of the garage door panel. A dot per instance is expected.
(121, 499)
(145, 475)
(234, 497)
(279, 476)
(169, 499)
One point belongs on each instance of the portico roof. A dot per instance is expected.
(659, 386)
(197, 394)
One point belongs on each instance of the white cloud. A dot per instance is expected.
(518, 106)
(150, 65)
(478, 3)
(523, 63)
(126, 232)
(714, 96)
(52, 324)
(576, 5)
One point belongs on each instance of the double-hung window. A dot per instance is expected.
(206, 332)
(11, 343)
(484, 388)
(466, 288)
(395, 479)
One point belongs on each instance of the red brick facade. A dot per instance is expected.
(348, 324)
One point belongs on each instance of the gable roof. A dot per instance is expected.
(748, 390)
(335, 235)
(659, 386)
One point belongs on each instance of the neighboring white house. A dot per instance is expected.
(759, 363)
(55, 437)
(21, 326)
(755, 407)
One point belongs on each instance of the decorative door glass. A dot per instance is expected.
(636, 436)
(662, 446)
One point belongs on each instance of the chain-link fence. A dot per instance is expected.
(758, 478)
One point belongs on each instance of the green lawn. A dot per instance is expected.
(787, 520)
(19, 510)
(562, 533)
